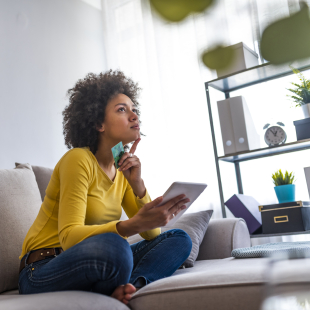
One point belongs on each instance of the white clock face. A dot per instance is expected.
(275, 135)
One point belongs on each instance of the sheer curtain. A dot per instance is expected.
(164, 58)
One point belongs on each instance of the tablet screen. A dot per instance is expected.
(191, 190)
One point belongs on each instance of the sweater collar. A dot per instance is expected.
(100, 169)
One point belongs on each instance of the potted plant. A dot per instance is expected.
(284, 187)
(302, 93)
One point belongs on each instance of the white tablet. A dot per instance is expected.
(191, 190)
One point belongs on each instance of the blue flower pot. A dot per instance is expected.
(285, 193)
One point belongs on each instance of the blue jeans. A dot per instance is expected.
(103, 262)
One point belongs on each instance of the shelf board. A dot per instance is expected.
(268, 151)
(256, 75)
(280, 234)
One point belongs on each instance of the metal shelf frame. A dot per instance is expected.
(239, 80)
(280, 234)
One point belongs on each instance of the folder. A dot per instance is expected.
(237, 126)
(228, 137)
(307, 175)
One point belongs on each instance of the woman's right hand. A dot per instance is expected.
(150, 216)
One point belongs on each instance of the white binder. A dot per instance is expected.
(307, 174)
(246, 136)
(237, 126)
(227, 130)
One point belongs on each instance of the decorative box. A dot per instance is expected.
(244, 58)
(245, 207)
(302, 128)
(285, 217)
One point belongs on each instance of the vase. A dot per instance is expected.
(285, 193)
(306, 110)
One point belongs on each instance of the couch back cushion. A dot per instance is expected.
(43, 177)
(20, 202)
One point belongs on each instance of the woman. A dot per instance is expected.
(77, 241)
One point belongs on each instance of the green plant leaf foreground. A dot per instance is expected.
(219, 57)
(177, 10)
(287, 39)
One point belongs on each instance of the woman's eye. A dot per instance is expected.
(133, 110)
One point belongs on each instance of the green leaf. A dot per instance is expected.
(297, 98)
(218, 57)
(287, 39)
(177, 10)
(295, 84)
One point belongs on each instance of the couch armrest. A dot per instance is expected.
(223, 236)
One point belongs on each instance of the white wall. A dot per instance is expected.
(45, 47)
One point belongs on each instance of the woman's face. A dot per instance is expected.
(120, 117)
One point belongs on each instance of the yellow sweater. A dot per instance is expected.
(82, 201)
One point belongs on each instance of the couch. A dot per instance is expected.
(217, 280)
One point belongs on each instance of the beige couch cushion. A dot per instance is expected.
(224, 284)
(43, 177)
(20, 201)
(64, 300)
(223, 236)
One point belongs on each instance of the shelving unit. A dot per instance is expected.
(239, 80)
(267, 151)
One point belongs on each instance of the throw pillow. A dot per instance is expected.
(296, 248)
(195, 225)
(20, 202)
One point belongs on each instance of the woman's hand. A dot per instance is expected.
(150, 216)
(131, 167)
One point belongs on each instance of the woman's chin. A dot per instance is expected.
(125, 142)
(136, 137)
(132, 139)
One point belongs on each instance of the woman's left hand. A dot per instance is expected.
(131, 166)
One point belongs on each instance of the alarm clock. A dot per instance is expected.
(275, 135)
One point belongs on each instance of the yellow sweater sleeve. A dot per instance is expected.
(75, 174)
(131, 205)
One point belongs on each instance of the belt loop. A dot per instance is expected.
(27, 255)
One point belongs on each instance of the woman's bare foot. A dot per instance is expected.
(124, 292)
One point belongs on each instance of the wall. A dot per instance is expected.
(45, 47)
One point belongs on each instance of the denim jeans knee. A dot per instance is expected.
(178, 231)
(183, 234)
(112, 245)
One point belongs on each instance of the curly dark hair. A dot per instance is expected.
(88, 100)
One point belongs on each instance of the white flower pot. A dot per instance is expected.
(306, 110)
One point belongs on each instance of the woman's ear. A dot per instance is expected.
(101, 129)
